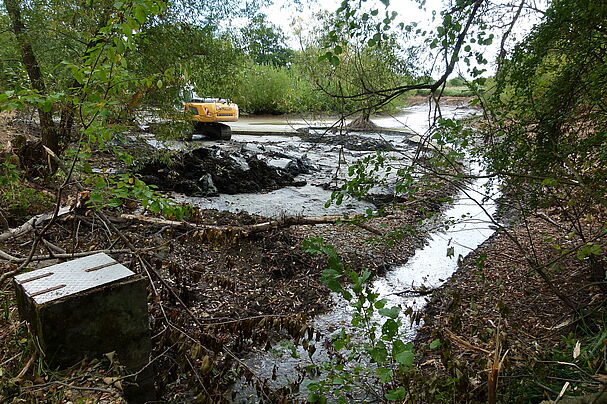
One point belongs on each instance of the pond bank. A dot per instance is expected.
(495, 299)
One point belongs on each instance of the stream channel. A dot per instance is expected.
(429, 267)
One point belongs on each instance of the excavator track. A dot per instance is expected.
(214, 130)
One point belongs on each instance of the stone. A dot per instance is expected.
(86, 308)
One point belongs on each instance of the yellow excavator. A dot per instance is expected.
(207, 115)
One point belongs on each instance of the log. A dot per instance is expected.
(32, 223)
(249, 229)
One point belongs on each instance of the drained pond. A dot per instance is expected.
(312, 163)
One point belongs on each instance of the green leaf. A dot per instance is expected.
(405, 358)
(435, 344)
(450, 251)
(96, 197)
(396, 395)
(392, 312)
(316, 398)
(47, 106)
(140, 14)
(403, 353)
(155, 206)
(389, 329)
(384, 374)
(330, 277)
(380, 304)
(379, 354)
(549, 182)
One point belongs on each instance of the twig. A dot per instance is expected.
(9, 274)
(562, 393)
(10, 359)
(239, 320)
(132, 375)
(27, 366)
(415, 292)
(465, 344)
(9, 257)
(69, 386)
(31, 224)
(244, 365)
(245, 230)
(546, 387)
(55, 249)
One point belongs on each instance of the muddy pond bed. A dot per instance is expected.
(248, 291)
(285, 175)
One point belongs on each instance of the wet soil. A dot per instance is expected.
(228, 283)
(249, 290)
(496, 296)
(349, 141)
(245, 290)
(209, 171)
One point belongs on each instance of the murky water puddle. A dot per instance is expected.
(429, 267)
(331, 162)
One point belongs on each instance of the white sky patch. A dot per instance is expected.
(284, 14)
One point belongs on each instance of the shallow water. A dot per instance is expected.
(331, 161)
(429, 267)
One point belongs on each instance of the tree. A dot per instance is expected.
(264, 42)
(55, 40)
(549, 126)
(47, 127)
(353, 71)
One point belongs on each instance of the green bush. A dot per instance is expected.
(266, 89)
(17, 199)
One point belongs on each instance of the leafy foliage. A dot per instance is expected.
(265, 43)
(373, 358)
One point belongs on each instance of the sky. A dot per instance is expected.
(282, 13)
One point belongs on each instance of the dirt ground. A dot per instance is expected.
(497, 302)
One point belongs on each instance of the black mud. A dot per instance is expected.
(208, 171)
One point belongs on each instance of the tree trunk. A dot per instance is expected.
(47, 126)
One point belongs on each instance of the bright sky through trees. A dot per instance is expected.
(284, 13)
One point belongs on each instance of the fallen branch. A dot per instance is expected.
(245, 230)
(465, 344)
(6, 256)
(31, 224)
(69, 386)
(53, 249)
(25, 369)
(415, 292)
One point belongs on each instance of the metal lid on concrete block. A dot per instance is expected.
(68, 278)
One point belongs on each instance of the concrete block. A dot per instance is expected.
(88, 307)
